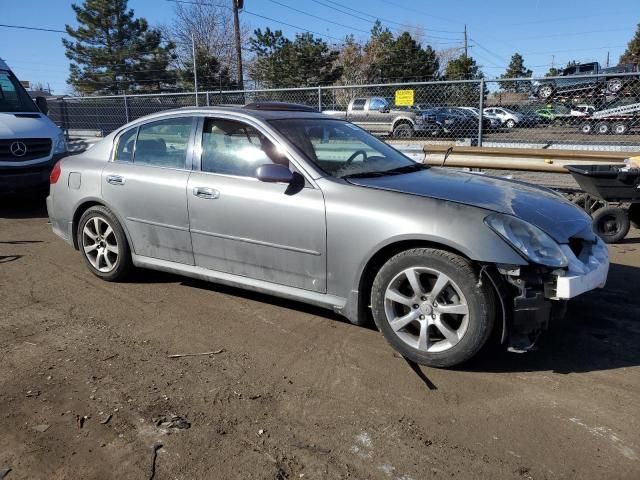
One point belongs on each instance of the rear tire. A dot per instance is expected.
(619, 128)
(511, 123)
(611, 223)
(586, 128)
(103, 244)
(615, 85)
(431, 308)
(603, 128)
(545, 91)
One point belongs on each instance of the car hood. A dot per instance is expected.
(539, 206)
(19, 125)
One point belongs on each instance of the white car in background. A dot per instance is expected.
(582, 110)
(495, 121)
(509, 118)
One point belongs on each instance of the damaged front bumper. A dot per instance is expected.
(533, 296)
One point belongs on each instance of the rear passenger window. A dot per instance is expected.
(124, 152)
(163, 143)
(358, 104)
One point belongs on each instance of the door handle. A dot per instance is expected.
(115, 179)
(206, 193)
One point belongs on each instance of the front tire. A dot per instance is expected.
(546, 91)
(404, 130)
(103, 244)
(431, 308)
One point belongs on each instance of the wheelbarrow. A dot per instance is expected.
(611, 196)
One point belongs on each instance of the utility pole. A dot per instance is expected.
(195, 72)
(607, 59)
(553, 60)
(466, 45)
(238, 5)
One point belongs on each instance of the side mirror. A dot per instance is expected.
(41, 102)
(274, 173)
(384, 109)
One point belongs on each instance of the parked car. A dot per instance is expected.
(488, 122)
(286, 201)
(509, 118)
(586, 77)
(30, 143)
(582, 110)
(451, 122)
(376, 115)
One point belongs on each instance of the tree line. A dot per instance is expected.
(112, 51)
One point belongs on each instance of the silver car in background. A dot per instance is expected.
(283, 200)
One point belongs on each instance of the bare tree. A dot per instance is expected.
(211, 25)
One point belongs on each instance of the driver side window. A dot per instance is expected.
(234, 148)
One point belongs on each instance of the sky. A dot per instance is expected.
(541, 30)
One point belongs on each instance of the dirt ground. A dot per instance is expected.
(87, 389)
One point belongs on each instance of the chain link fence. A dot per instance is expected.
(582, 112)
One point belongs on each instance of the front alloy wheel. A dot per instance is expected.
(426, 309)
(431, 306)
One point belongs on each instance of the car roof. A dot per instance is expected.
(270, 113)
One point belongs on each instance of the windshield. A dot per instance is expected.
(342, 149)
(13, 97)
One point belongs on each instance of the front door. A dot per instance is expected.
(146, 185)
(267, 231)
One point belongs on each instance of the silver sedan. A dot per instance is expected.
(283, 200)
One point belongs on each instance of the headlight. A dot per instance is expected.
(532, 242)
(60, 144)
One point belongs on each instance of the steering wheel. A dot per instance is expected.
(355, 154)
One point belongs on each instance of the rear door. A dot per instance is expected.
(146, 186)
(266, 231)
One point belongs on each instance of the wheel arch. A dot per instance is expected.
(85, 205)
(402, 121)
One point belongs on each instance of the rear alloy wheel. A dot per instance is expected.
(603, 128)
(614, 85)
(510, 123)
(431, 308)
(611, 223)
(103, 244)
(620, 128)
(545, 91)
(403, 130)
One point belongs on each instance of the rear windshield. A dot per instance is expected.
(13, 97)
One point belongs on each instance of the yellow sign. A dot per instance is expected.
(404, 98)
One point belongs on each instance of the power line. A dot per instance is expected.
(373, 16)
(22, 27)
(350, 27)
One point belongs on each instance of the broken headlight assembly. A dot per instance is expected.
(528, 240)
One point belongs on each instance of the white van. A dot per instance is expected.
(30, 143)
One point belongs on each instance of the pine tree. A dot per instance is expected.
(463, 68)
(280, 62)
(407, 61)
(113, 52)
(516, 69)
(211, 76)
(553, 72)
(632, 53)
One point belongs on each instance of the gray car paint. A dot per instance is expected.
(359, 219)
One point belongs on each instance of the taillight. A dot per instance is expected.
(55, 173)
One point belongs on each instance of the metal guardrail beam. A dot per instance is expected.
(527, 159)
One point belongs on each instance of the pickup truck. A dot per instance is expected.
(376, 115)
(586, 76)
